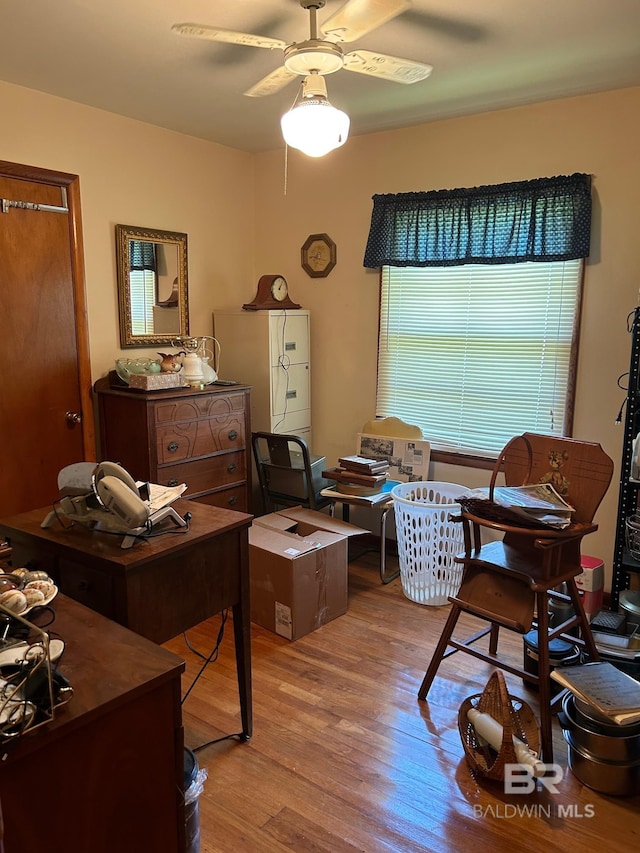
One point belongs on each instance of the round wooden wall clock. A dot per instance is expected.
(272, 293)
(318, 255)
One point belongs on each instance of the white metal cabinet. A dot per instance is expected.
(269, 350)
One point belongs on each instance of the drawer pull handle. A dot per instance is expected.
(291, 395)
(172, 482)
(172, 446)
(84, 586)
(289, 346)
(232, 468)
(233, 434)
(233, 500)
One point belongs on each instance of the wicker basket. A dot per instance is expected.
(515, 717)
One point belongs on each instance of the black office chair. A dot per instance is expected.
(287, 472)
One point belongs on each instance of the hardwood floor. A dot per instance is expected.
(344, 756)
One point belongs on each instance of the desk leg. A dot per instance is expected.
(242, 637)
(383, 549)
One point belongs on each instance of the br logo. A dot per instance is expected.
(518, 778)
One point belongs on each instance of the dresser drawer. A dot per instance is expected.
(214, 405)
(234, 498)
(192, 439)
(201, 475)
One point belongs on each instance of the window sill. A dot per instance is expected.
(452, 457)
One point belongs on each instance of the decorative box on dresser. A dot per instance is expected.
(270, 350)
(201, 437)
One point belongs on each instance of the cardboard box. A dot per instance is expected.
(298, 563)
(591, 582)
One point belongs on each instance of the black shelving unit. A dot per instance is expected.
(623, 563)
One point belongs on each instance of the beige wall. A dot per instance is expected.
(594, 134)
(136, 174)
(241, 225)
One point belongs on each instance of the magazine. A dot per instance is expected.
(600, 684)
(162, 496)
(535, 498)
(408, 459)
(538, 502)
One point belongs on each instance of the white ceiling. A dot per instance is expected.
(121, 56)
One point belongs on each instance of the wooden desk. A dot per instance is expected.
(106, 773)
(158, 588)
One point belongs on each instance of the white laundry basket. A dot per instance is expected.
(427, 540)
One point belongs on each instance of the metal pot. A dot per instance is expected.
(605, 741)
(590, 718)
(618, 779)
(629, 604)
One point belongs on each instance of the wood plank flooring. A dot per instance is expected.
(345, 758)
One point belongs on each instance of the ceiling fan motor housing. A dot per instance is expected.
(313, 55)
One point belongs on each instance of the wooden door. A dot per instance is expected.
(46, 416)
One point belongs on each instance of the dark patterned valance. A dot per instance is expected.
(546, 219)
(142, 256)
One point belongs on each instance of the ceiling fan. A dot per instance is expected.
(322, 53)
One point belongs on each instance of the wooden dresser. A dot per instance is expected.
(198, 437)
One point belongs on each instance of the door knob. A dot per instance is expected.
(73, 417)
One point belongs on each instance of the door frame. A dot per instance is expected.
(71, 183)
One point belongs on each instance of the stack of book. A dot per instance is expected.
(358, 475)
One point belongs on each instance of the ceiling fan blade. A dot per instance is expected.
(272, 83)
(387, 67)
(202, 31)
(359, 17)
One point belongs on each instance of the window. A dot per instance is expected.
(480, 308)
(142, 289)
(143, 283)
(476, 354)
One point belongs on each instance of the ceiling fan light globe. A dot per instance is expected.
(319, 56)
(315, 127)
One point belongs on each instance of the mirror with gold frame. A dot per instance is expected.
(152, 286)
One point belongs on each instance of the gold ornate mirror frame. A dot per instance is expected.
(153, 297)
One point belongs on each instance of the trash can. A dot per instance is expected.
(193, 784)
(427, 540)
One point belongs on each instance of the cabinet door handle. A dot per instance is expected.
(172, 482)
(233, 434)
(232, 468)
(172, 446)
(233, 500)
(291, 395)
(84, 586)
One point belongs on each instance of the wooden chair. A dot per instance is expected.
(506, 581)
(287, 472)
(393, 427)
